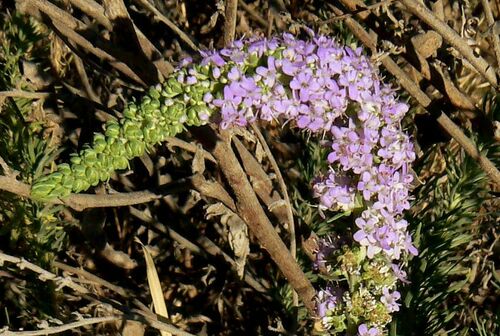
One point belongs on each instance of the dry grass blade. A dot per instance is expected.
(169, 23)
(455, 40)
(160, 307)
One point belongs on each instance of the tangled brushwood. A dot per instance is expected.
(323, 88)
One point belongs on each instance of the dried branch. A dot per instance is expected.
(168, 22)
(61, 328)
(421, 11)
(261, 183)
(429, 71)
(24, 94)
(187, 146)
(44, 275)
(36, 7)
(213, 189)
(142, 316)
(446, 123)
(206, 243)
(361, 10)
(81, 202)
(231, 14)
(123, 33)
(80, 69)
(66, 26)
(253, 13)
(284, 191)
(251, 211)
(62, 29)
(95, 279)
(96, 11)
(494, 36)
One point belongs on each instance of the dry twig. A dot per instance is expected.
(253, 13)
(494, 36)
(24, 94)
(96, 11)
(81, 202)
(61, 328)
(206, 243)
(455, 40)
(251, 211)
(169, 23)
(231, 14)
(284, 191)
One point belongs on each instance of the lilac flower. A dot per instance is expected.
(212, 57)
(325, 249)
(327, 300)
(399, 273)
(336, 192)
(364, 331)
(268, 73)
(389, 299)
(305, 84)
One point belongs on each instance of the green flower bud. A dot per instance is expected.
(41, 189)
(67, 182)
(92, 176)
(135, 148)
(80, 185)
(59, 191)
(120, 162)
(56, 177)
(112, 129)
(75, 159)
(64, 169)
(172, 88)
(155, 103)
(78, 170)
(176, 129)
(117, 149)
(130, 111)
(131, 130)
(99, 143)
(104, 161)
(154, 93)
(103, 174)
(89, 156)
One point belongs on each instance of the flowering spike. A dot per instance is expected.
(320, 87)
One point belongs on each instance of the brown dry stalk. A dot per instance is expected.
(450, 35)
(494, 36)
(261, 183)
(64, 327)
(81, 202)
(428, 70)
(96, 11)
(446, 123)
(169, 23)
(124, 34)
(231, 14)
(251, 211)
(24, 94)
(209, 247)
(254, 15)
(284, 191)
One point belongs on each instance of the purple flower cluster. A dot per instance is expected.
(333, 91)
